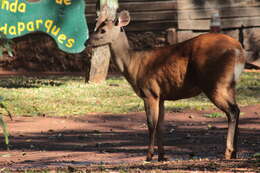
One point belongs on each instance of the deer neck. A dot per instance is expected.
(121, 52)
(125, 59)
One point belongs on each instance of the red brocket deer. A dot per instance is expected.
(209, 63)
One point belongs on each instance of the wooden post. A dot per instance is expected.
(99, 64)
(171, 36)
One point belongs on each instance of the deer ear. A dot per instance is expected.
(123, 18)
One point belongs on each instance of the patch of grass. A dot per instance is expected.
(39, 171)
(214, 115)
(248, 89)
(65, 96)
(62, 96)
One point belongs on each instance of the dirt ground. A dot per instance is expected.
(111, 142)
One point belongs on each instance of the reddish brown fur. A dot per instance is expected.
(203, 64)
(183, 70)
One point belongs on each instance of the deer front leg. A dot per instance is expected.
(160, 132)
(152, 112)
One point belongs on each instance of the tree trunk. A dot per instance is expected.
(99, 64)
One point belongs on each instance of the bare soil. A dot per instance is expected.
(109, 142)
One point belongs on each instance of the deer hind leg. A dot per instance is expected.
(224, 99)
(152, 114)
(160, 132)
(232, 136)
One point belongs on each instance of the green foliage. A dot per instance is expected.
(5, 131)
(3, 124)
(5, 45)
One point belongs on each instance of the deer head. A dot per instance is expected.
(109, 31)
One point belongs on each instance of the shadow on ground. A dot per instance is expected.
(192, 142)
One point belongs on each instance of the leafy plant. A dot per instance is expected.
(5, 45)
(3, 124)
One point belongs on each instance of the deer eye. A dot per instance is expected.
(102, 31)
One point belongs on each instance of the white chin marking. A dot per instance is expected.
(239, 67)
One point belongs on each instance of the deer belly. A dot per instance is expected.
(180, 93)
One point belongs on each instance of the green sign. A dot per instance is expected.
(63, 20)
